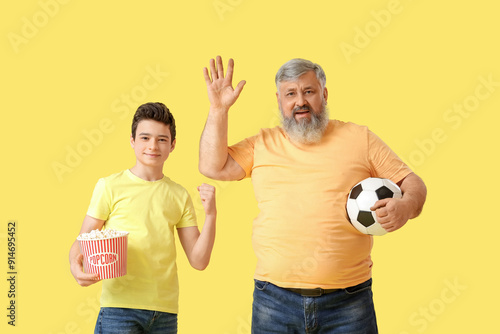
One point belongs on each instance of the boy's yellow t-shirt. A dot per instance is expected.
(149, 211)
(302, 236)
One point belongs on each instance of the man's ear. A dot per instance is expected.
(325, 94)
(173, 145)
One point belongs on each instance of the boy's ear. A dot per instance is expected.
(173, 145)
(132, 141)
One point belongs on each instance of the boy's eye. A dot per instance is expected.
(144, 138)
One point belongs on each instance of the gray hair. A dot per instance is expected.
(294, 68)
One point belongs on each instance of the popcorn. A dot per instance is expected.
(104, 252)
(101, 234)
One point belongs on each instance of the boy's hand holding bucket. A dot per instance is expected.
(104, 254)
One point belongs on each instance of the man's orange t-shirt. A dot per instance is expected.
(302, 236)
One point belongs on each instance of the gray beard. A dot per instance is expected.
(306, 131)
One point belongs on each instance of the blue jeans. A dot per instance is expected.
(133, 321)
(346, 311)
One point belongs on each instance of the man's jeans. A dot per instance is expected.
(133, 321)
(346, 311)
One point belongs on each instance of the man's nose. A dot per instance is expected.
(301, 100)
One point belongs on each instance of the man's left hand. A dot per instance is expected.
(392, 213)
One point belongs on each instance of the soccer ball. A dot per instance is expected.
(362, 197)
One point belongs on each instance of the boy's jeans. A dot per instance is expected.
(346, 311)
(133, 321)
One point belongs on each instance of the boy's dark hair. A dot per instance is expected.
(155, 111)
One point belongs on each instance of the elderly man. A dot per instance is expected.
(313, 270)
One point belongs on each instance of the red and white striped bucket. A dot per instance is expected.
(106, 257)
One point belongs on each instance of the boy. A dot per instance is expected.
(147, 204)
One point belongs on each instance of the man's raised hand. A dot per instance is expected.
(219, 87)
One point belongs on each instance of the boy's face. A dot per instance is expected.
(152, 144)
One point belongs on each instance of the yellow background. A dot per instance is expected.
(69, 68)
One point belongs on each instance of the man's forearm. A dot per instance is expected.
(213, 144)
(414, 192)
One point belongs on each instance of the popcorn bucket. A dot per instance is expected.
(106, 257)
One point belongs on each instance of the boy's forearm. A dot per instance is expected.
(74, 252)
(202, 250)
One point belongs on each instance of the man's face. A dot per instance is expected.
(303, 107)
(300, 98)
(152, 144)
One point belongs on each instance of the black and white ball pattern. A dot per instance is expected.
(363, 196)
